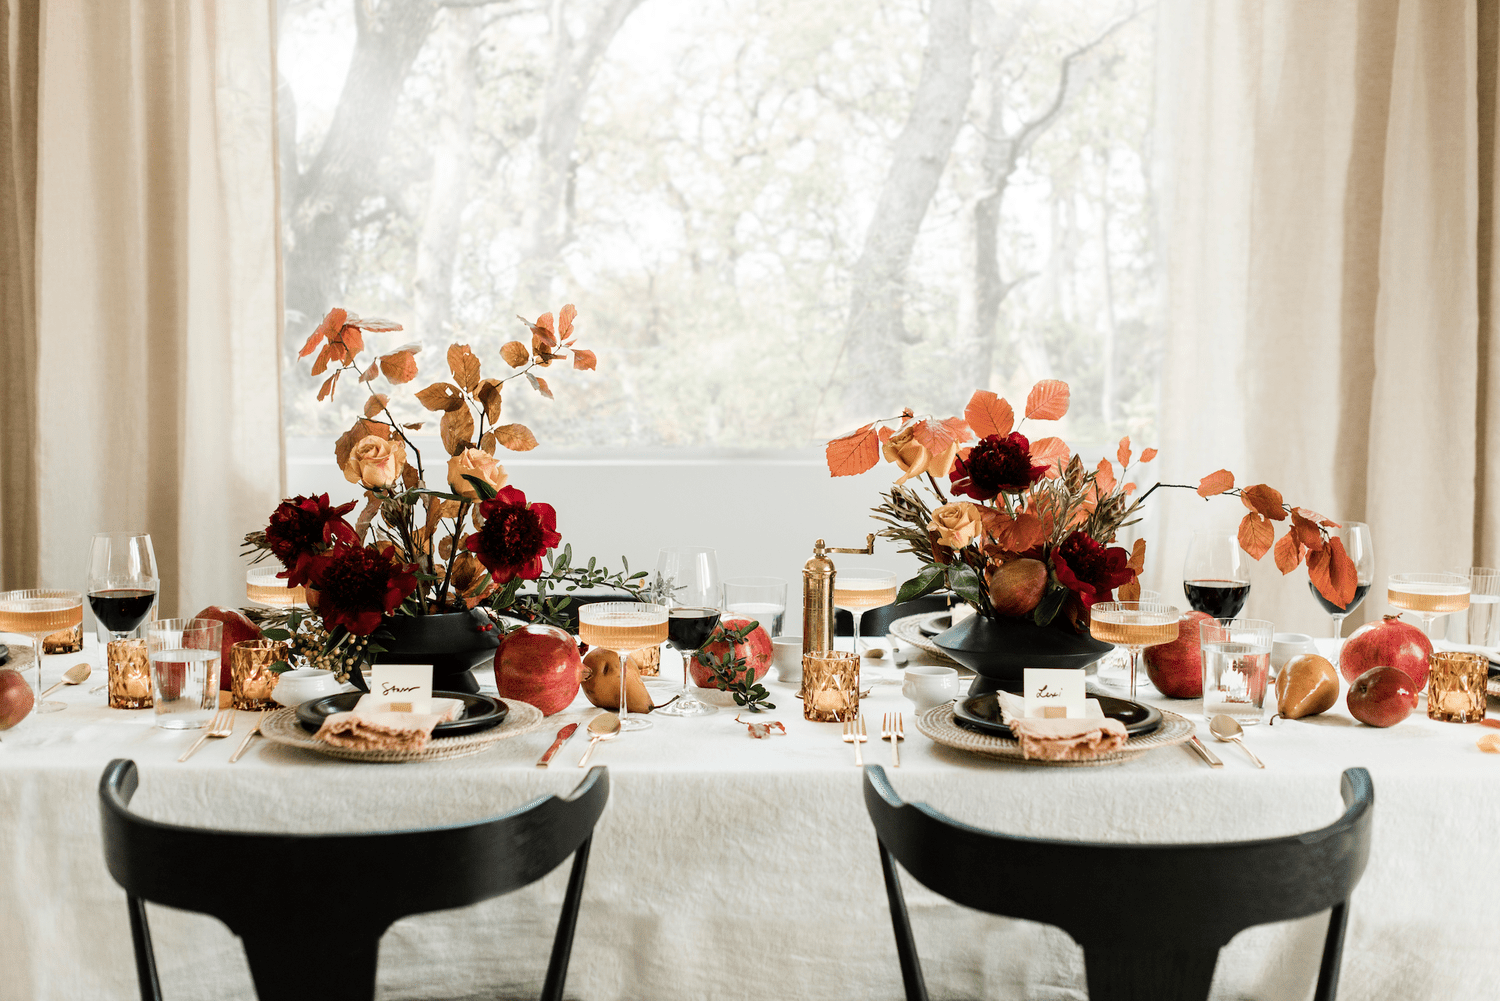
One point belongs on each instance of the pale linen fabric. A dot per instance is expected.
(1323, 331)
(157, 310)
(726, 867)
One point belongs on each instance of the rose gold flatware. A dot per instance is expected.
(254, 731)
(563, 736)
(1201, 749)
(75, 675)
(221, 726)
(891, 729)
(605, 726)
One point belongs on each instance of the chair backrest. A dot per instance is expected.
(432, 868)
(1198, 896)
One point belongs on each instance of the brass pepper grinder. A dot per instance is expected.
(817, 595)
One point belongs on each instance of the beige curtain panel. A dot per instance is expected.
(141, 300)
(1331, 224)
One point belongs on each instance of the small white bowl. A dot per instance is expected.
(296, 687)
(786, 655)
(1286, 646)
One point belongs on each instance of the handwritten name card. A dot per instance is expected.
(402, 683)
(1053, 693)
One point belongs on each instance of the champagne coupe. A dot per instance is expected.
(624, 627)
(1430, 595)
(762, 599)
(1484, 605)
(122, 581)
(263, 587)
(38, 613)
(1355, 535)
(1216, 574)
(860, 590)
(690, 575)
(1133, 625)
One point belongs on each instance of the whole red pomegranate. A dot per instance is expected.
(1382, 696)
(755, 649)
(236, 629)
(539, 664)
(1176, 668)
(1387, 643)
(16, 699)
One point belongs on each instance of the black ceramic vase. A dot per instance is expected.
(997, 649)
(454, 643)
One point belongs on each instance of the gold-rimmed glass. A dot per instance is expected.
(1429, 595)
(37, 613)
(860, 589)
(263, 587)
(1133, 625)
(624, 627)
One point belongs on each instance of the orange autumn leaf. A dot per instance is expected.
(1343, 576)
(1123, 452)
(1104, 478)
(1137, 561)
(399, 366)
(328, 384)
(464, 366)
(989, 414)
(1014, 535)
(1288, 552)
(333, 322)
(1315, 517)
(372, 323)
(936, 436)
(321, 365)
(353, 340)
(1264, 500)
(1147, 454)
(886, 434)
(1320, 570)
(540, 385)
(1049, 452)
(488, 395)
(1216, 483)
(370, 373)
(456, 429)
(1256, 534)
(565, 317)
(1306, 531)
(584, 360)
(361, 430)
(514, 353)
(853, 453)
(541, 331)
(375, 404)
(516, 437)
(1129, 591)
(1048, 400)
(441, 396)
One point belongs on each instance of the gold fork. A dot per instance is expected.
(222, 726)
(854, 733)
(259, 719)
(891, 730)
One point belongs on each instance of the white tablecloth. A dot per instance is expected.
(726, 867)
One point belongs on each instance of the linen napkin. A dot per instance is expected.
(1067, 739)
(378, 731)
(447, 709)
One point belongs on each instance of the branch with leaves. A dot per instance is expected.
(731, 672)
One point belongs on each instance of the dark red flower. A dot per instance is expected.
(303, 527)
(357, 586)
(995, 465)
(514, 537)
(1089, 569)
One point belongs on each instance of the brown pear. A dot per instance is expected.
(601, 682)
(1306, 686)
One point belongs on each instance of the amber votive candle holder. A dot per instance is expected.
(250, 675)
(129, 672)
(1456, 686)
(830, 686)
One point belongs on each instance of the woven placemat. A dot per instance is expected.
(908, 629)
(281, 727)
(942, 727)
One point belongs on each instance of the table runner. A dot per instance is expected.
(726, 867)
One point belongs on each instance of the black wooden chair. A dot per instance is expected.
(171, 865)
(1210, 892)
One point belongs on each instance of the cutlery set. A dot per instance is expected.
(222, 725)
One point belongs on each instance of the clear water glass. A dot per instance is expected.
(1236, 667)
(1483, 625)
(760, 598)
(184, 657)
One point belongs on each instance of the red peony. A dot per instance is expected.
(514, 536)
(303, 527)
(1089, 569)
(995, 465)
(357, 586)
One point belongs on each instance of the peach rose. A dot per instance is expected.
(375, 462)
(913, 458)
(478, 464)
(956, 524)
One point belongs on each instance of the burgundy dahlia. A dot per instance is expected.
(357, 586)
(995, 465)
(514, 537)
(1090, 570)
(303, 527)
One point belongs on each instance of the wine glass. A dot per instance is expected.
(1430, 595)
(1133, 625)
(624, 627)
(860, 590)
(1355, 535)
(38, 613)
(122, 582)
(1484, 605)
(264, 587)
(1216, 574)
(760, 598)
(690, 578)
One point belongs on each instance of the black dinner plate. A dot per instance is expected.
(480, 712)
(982, 713)
(935, 625)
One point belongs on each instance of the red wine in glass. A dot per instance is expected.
(689, 628)
(1223, 599)
(121, 609)
(1360, 590)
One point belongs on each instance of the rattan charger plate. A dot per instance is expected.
(281, 727)
(908, 629)
(942, 727)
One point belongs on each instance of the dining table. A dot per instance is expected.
(730, 866)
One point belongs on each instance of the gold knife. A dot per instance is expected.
(562, 738)
(1206, 754)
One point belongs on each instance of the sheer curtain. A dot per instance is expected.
(1328, 276)
(147, 292)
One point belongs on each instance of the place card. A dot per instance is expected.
(397, 683)
(1053, 693)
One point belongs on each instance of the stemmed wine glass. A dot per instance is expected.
(1216, 574)
(624, 627)
(1355, 536)
(690, 580)
(1428, 594)
(264, 587)
(122, 582)
(38, 613)
(861, 589)
(1133, 625)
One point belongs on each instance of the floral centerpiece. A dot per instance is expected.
(418, 550)
(1026, 530)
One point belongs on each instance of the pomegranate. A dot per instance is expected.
(16, 698)
(755, 649)
(1016, 587)
(236, 628)
(1176, 668)
(539, 664)
(1387, 643)
(1382, 696)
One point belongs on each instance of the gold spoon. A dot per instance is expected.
(1227, 728)
(75, 675)
(605, 726)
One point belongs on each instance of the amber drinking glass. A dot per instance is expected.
(830, 686)
(1430, 595)
(1456, 686)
